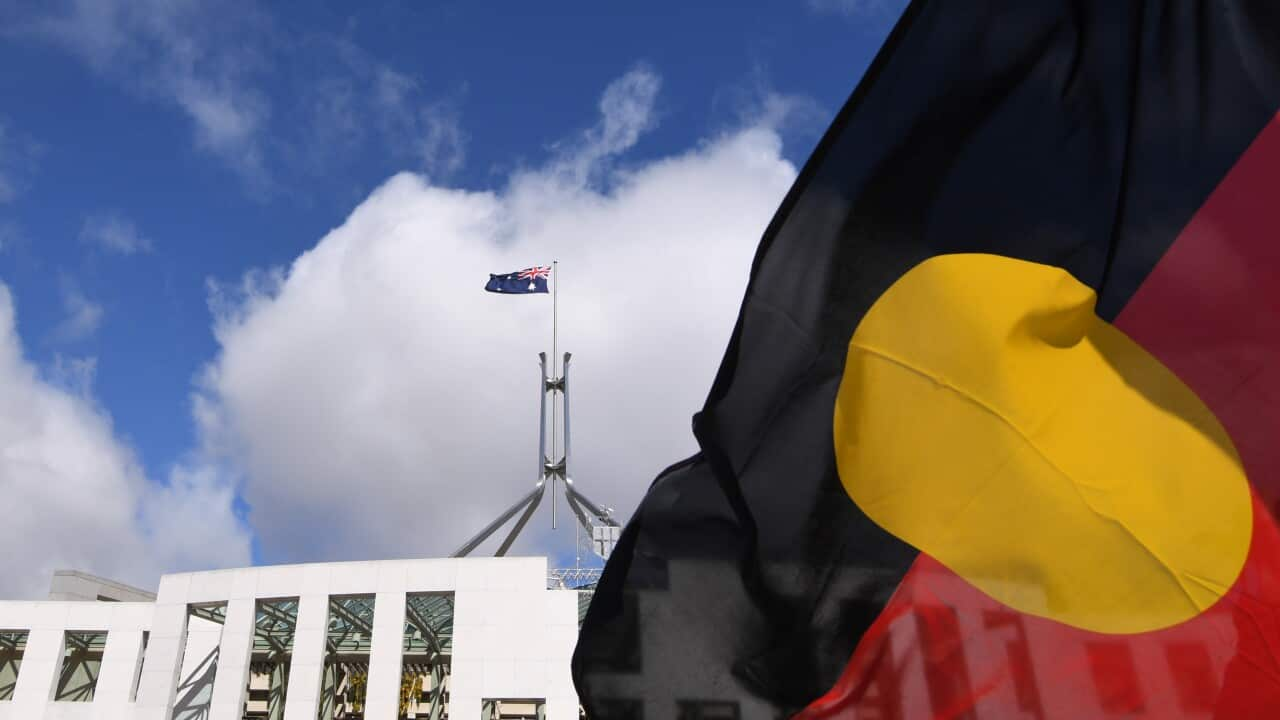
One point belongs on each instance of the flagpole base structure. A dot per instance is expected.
(595, 519)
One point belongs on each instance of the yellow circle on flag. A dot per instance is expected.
(989, 418)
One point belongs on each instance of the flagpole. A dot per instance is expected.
(555, 359)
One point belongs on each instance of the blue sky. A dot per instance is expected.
(154, 161)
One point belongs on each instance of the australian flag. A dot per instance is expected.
(522, 282)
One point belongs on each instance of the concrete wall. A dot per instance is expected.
(46, 622)
(513, 638)
(76, 585)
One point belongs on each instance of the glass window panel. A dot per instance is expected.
(13, 643)
(275, 626)
(199, 661)
(346, 659)
(426, 655)
(137, 668)
(513, 709)
(81, 663)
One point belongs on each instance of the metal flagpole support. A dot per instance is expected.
(555, 338)
(554, 466)
(555, 469)
(597, 521)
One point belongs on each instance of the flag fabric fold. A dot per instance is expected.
(1033, 231)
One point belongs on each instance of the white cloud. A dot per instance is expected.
(374, 402)
(626, 111)
(73, 374)
(262, 97)
(363, 99)
(115, 233)
(199, 56)
(439, 140)
(227, 123)
(75, 496)
(83, 316)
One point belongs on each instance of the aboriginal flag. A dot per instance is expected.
(997, 434)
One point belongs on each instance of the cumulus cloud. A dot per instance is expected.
(75, 497)
(374, 402)
(82, 318)
(114, 233)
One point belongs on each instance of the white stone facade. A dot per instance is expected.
(512, 638)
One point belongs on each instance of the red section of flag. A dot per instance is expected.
(946, 671)
(533, 273)
(1027, 668)
(1210, 311)
(1115, 677)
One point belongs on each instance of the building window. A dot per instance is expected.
(426, 655)
(12, 644)
(346, 659)
(199, 661)
(513, 709)
(274, 627)
(137, 668)
(81, 663)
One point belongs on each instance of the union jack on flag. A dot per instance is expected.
(521, 282)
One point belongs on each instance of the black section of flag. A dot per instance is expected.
(1077, 134)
